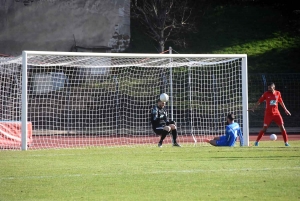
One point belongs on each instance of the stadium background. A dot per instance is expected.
(268, 32)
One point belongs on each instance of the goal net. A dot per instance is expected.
(70, 100)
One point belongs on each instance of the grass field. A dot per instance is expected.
(268, 172)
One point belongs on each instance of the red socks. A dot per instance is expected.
(284, 135)
(261, 133)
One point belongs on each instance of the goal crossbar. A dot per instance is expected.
(134, 55)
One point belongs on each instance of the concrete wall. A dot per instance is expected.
(49, 25)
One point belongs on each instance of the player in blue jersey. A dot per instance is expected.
(232, 132)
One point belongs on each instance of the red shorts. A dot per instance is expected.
(274, 117)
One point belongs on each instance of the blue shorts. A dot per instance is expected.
(223, 141)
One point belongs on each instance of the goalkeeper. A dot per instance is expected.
(231, 134)
(161, 125)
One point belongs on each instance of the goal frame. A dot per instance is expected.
(24, 96)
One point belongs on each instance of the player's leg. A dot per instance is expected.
(284, 135)
(222, 141)
(162, 133)
(172, 124)
(267, 121)
(214, 140)
(279, 121)
(166, 131)
(174, 135)
(261, 134)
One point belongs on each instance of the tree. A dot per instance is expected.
(164, 20)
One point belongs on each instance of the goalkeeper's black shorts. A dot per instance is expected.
(171, 122)
(160, 130)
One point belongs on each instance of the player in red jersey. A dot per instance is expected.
(272, 98)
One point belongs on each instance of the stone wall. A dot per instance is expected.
(55, 25)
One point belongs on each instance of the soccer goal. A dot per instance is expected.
(72, 99)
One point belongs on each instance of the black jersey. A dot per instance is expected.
(159, 117)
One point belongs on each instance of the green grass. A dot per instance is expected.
(268, 172)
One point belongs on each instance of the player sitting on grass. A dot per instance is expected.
(161, 125)
(232, 132)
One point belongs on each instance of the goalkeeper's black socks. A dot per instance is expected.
(174, 135)
(163, 136)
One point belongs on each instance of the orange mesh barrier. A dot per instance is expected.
(10, 134)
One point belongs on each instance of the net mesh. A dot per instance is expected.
(79, 101)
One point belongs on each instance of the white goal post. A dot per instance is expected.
(74, 99)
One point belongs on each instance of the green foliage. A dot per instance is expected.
(268, 172)
(260, 32)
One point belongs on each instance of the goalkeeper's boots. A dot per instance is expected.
(256, 143)
(160, 144)
(287, 144)
(176, 144)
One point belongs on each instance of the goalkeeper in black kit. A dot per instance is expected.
(161, 125)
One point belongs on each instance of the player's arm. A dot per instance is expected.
(168, 122)
(260, 100)
(282, 105)
(154, 115)
(255, 106)
(285, 110)
(227, 133)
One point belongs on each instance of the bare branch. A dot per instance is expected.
(163, 20)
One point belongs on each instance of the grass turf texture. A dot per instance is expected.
(268, 172)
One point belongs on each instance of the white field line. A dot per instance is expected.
(151, 172)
